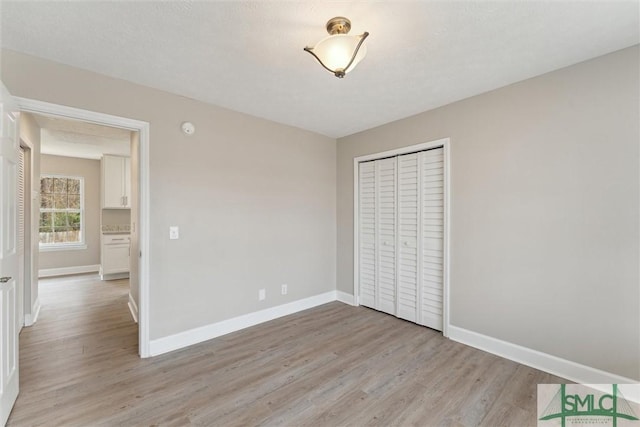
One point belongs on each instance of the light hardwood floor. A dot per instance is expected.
(329, 366)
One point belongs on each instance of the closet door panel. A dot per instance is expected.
(432, 216)
(367, 234)
(386, 234)
(408, 232)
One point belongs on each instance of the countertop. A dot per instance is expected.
(116, 229)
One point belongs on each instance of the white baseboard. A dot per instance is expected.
(545, 362)
(64, 271)
(204, 333)
(345, 298)
(30, 319)
(114, 276)
(133, 308)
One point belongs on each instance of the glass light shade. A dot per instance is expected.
(336, 52)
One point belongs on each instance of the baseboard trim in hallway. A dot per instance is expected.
(133, 308)
(30, 319)
(65, 271)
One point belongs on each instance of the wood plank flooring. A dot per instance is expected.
(332, 365)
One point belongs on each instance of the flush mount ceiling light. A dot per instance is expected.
(339, 53)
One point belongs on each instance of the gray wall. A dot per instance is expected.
(545, 208)
(544, 204)
(90, 171)
(255, 201)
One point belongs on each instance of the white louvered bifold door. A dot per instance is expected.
(401, 236)
(386, 234)
(367, 234)
(432, 206)
(408, 231)
(21, 236)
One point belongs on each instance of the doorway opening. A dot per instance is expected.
(59, 203)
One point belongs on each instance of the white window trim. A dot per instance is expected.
(76, 246)
(53, 247)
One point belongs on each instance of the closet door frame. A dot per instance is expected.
(444, 143)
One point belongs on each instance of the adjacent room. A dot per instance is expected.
(84, 225)
(319, 213)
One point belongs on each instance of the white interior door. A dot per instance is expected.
(9, 148)
(21, 238)
(408, 232)
(401, 236)
(367, 234)
(432, 238)
(386, 234)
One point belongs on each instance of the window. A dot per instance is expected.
(61, 212)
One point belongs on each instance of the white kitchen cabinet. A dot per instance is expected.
(115, 256)
(116, 182)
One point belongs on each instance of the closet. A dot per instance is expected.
(401, 236)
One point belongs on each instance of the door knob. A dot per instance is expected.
(5, 279)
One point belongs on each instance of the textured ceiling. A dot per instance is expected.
(247, 56)
(71, 138)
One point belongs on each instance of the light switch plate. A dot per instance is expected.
(174, 232)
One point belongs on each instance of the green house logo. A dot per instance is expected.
(582, 405)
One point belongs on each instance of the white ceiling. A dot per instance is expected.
(71, 138)
(247, 56)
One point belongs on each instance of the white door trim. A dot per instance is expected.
(444, 143)
(40, 107)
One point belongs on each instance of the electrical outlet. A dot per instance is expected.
(174, 232)
(262, 294)
(283, 289)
